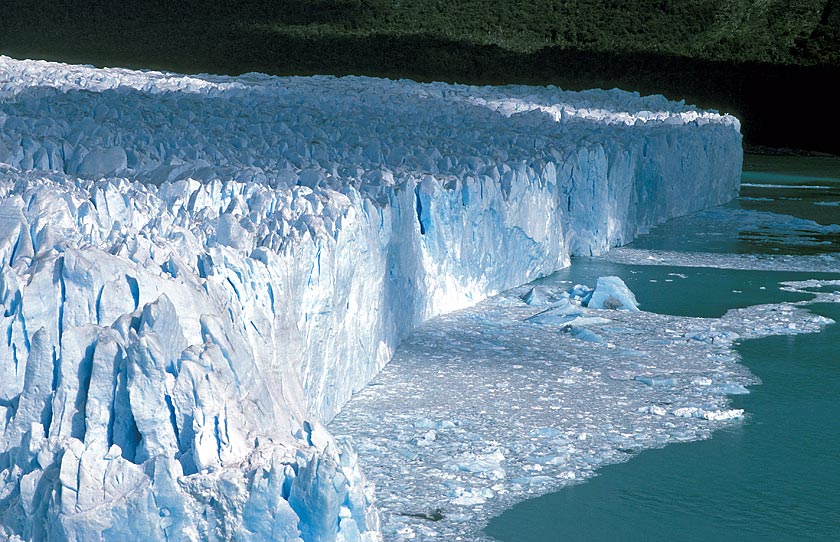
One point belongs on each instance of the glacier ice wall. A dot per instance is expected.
(197, 271)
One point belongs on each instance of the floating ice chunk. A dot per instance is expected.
(581, 293)
(558, 315)
(729, 389)
(586, 320)
(612, 293)
(471, 496)
(542, 295)
(425, 423)
(657, 410)
(720, 415)
(546, 432)
(583, 334)
(712, 415)
(632, 353)
(568, 320)
(689, 412)
(486, 463)
(656, 381)
(410, 455)
(426, 438)
(458, 517)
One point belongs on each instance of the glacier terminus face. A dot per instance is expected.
(196, 272)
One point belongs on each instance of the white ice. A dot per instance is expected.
(612, 293)
(198, 271)
(521, 407)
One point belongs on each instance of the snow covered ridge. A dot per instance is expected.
(197, 271)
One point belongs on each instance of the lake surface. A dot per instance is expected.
(774, 476)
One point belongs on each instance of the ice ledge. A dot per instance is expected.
(197, 270)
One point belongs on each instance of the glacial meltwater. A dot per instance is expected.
(774, 475)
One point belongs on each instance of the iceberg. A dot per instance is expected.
(540, 295)
(612, 293)
(197, 272)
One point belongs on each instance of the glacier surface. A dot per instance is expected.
(196, 272)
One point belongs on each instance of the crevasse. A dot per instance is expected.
(197, 271)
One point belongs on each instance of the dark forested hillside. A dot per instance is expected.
(730, 30)
(757, 58)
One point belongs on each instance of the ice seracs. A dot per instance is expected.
(197, 271)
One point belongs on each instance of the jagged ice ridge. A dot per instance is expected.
(197, 271)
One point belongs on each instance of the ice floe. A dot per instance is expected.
(529, 408)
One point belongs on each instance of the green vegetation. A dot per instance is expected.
(726, 30)
(750, 57)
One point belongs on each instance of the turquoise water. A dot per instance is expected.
(690, 291)
(793, 173)
(774, 477)
(796, 188)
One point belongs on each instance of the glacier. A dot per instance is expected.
(199, 271)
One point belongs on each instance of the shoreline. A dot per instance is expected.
(761, 150)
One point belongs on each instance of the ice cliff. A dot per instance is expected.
(197, 271)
